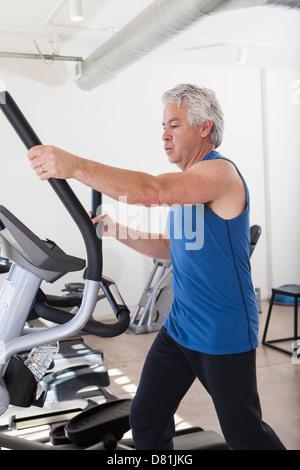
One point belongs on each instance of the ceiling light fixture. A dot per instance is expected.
(76, 10)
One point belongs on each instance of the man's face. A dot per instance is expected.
(182, 142)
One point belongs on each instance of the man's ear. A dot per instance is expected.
(206, 127)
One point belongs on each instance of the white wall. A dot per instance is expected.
(119, 123)
(282, 153)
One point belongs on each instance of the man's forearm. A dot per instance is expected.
(149, 244)
(137, 187)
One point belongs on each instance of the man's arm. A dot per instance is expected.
(149, 244)
(204, 182)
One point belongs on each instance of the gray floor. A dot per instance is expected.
(278, 378)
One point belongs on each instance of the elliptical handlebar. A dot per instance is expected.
(61, 187)
(46, 307)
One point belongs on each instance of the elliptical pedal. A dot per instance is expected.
(106, 423)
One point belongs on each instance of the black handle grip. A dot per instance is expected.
(96, 202)
(104, 330)
(93, 244)
(18, 121)
(50, 308)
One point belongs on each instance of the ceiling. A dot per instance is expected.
(48, 21)
(269, 35)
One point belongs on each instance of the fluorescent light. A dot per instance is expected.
(76, 10)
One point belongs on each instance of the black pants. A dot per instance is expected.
(168, 373)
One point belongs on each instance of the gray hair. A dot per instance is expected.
(202, 106)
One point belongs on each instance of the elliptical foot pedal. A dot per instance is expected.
(105, 423)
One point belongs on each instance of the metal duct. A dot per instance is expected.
(158, 23)
(239, 4)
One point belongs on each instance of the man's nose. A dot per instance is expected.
(166, 135)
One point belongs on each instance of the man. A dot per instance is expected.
(212, 329)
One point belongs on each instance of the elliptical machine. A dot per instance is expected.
(32, 261)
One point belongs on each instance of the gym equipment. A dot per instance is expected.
(33, 260)
(76, 380)
(255, 233)
(156, 299)
(283, 298)
(292, 291)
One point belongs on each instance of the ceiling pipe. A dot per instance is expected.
(154, 26)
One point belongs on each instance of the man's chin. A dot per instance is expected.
(172, 158)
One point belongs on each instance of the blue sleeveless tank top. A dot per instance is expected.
(214, 310)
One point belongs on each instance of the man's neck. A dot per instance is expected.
(205, 150)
